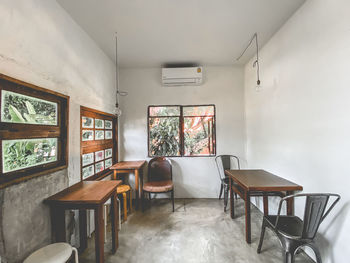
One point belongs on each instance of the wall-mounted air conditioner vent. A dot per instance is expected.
(182, 76)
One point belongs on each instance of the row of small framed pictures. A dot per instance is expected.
(88, 122)
(88, 135)
(100, 165)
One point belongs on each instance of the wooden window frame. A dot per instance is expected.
(181, 129)
(13, 131)
(98, 145)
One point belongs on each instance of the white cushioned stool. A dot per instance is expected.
(54, 253)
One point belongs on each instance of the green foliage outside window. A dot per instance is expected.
(197, 134)
(24, 153)
(18, 108)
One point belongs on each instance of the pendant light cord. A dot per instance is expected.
(256, 62)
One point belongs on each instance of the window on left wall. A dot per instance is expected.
(34, 131)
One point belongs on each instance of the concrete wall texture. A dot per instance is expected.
(45, 47)
(298, 123)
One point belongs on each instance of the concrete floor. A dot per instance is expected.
(198, 231)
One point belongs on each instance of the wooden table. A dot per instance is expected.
(247, 183)
(134, 167)
(86, 195)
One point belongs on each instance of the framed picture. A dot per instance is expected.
(108, 125)
(99, 156)
(87, 135)
(99, 167)
(108, 163)
(108, 153)
(87, 159)
(99, 135)
(109, 135)
(87, 122)
(19, 108)
(88, 171)
(99, 124)
(24, 153)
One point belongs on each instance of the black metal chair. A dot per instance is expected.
(295, 233)
(226, 162)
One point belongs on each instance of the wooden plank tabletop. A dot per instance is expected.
(128, 165)
(88, 192)
(261, 180)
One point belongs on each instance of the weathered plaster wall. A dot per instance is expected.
(42, 45)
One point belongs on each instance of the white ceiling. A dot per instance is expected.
(154, 32)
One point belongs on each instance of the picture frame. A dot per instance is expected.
(99, 124)
(87, 122)
(99, 167)
(108, 163)
(108, 125)
(108, 135)
(99, 156)
(88, 171)
(108, 153)
(99, 135)
(87, 159)
(87, 135)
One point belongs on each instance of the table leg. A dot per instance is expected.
(115, 222)
(247, 217)
(137, 192)
(99, 234)
(290, 204)
(82, 230)
(232, 208)
(266, 205)
(115, 175)
(58, 224)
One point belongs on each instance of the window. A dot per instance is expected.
(98, 144)
(34, 128)
(181, 130)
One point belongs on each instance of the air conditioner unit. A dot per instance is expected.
(182, 76)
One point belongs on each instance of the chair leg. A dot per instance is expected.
(288, 257)
(263, 228)
(172, 199)
(75, 251)
(125, 203)
(130, 201)
(221, 188)
(317, 253)
(225, 197)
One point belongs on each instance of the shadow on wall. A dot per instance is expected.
(334, 230)
(180, 190)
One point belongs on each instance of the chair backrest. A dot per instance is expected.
(159, 169)
(226, 162)
(314, 212)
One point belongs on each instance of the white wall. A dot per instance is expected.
(196, 176)
(298, 124)
(42, 45)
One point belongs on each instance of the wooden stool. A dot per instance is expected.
(123, 189)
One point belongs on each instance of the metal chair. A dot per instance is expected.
(295, 233)
(225, 162)
(160, 179)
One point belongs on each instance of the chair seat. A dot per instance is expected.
(54, 253)
(158, 186)
(123, 188)
(290, 226)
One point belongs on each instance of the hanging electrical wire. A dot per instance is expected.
(117, 109)
(256, 62)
